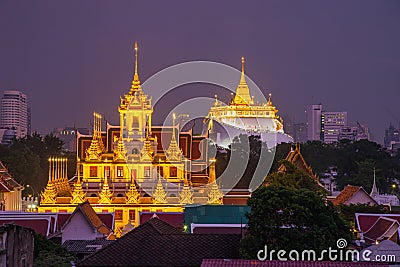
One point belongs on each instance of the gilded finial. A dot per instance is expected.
(269, 99)
(243, 65)
(136, 58)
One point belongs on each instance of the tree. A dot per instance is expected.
(291, 219)
(47, 253)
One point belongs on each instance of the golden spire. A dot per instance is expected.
(78, 196)
(215, 196)
(174, 153)
(49, 194)
(186, 195)
(120, 151)
(136, 81)
(242, 96)
(159, 195)
(132, 196)
(136, 76)
(269, 103)
(105, 194)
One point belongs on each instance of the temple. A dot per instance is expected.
(243, 116)
(126, 170)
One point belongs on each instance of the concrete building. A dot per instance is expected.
(392, 135)
(69, 135)
(354, 133)
(314, 122)
(331, 122)
(14, 113)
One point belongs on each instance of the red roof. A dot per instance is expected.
(347, 193)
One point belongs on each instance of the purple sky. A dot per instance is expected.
(74, 57)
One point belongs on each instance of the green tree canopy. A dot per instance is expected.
(285, 218)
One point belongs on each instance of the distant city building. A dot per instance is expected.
(392, 136)
(331, 122)
(68, 135)
(354, 133)
(14, 114)
(314, 122)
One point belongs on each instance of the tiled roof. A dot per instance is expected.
(276, 263)
(384, 228)
(7, 183)
(347, 193)
(92, 218)
(155, 243)
(85, 246)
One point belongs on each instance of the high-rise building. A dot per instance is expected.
(314, 122)
(331, 122)
(392, 135)
(14, 113)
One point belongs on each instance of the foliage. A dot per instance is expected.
(27, 160)
(355, 162)
(285, 218)
(47, 253)
(247, 161)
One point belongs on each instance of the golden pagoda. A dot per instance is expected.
(243, 116)
(125, 170)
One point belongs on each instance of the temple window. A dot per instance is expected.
(118, 215)
(120, 171)
(173, 172)
(93, 171)
(107, 171)
(146, 171)
(132, 215)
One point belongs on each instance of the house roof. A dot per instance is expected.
(85, 246)
(294, 156)
(7, 182)
(156, 243)
(384, 228)
(92, 218)
(276, 263)
(348, 192)
(365, 221)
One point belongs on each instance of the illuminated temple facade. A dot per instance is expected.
(126, 170)
(243, 116)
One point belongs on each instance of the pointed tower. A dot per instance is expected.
(105, 194)
(120, 151)
(78, 195)
(186, 195)
(147, 152)
(374, 191)
(242, 96)
(132, 196)
(135, 111)
(215, 196)
(49, 194)
(159, 195)
(94, 152)
(174, 153)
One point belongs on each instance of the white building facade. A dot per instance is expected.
(14, 113)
